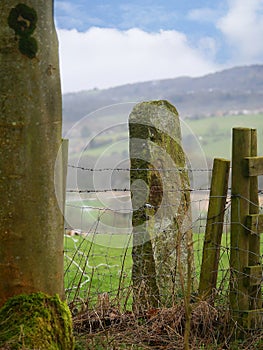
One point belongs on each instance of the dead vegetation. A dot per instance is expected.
(106, 327)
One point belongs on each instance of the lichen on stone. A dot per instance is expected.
(158, 160)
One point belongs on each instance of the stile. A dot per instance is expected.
(241, 148)
(253, 319)
(255, 300)
(255, 224)
(253, 276)
(246, 226)
(254, 166)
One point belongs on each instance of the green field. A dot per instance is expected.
(95, 265)
(104, 214)
(215, 133)
(107, 268)
(203, 140)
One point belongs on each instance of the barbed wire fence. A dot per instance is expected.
(157, 230)
(98, 241)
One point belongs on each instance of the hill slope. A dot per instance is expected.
(235, 89)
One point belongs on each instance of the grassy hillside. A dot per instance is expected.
(238, 88)
(215, 133)
(105, 144)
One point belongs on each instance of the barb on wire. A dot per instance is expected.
(177, 169)
(128, 190)
(98, 191)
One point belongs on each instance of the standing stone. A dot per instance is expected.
(31, 221)
(162, 234)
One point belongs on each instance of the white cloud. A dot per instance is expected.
(209, 47)
(103, 57)
(243, 29)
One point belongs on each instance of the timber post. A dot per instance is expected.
(214, 228)
(246, 226)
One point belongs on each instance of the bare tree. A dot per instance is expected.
(31, 223)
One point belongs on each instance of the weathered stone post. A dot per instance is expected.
(162, 234)
(31, 221)
(31, 218)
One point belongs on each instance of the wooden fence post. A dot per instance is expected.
(254, 239)
(253, 318)
(214, 228)
(241, 148)
(246, 227)
(162, 222)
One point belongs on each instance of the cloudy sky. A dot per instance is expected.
(105, 43)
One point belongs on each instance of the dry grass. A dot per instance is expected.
(105, 327)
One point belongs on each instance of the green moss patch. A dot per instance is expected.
(36, 321)
(28, 47)
(23, 20)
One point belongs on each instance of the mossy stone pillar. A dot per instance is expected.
(31, 222)
(160, 186)
(36, 321)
